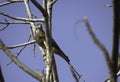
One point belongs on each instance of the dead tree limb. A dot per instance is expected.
(19, 63)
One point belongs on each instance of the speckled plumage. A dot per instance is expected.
(40, 39)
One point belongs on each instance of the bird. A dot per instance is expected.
(40, 39)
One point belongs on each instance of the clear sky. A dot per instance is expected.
(72, 38)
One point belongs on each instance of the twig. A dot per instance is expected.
(23, 47)
(29, 13)
(44, 12)
(20, 45)
(20, 51)
(19, 63)
(4, 27)
(16, 22)
(9, 2)
(74, 74)
(52, 2)
(20, 18)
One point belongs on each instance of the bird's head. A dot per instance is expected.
(38, 26)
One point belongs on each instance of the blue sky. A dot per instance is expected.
(72, 38)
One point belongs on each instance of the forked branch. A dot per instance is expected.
(19, 63)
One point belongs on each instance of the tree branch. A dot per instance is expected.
(48, 20)
(4, 27)
(50, 65)
(42, 10)
(20, 18)
(99, 44)
(15, 22)
(115, 46)
(19, 63)
(29, 13)
(10, 2)
(20, 45)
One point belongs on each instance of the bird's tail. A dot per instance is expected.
(75, 74)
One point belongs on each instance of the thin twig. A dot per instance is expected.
(29, 13)
(20, 18)
(16, 22)
(10, 2)
(23, 47)
(53, 2)
(4, 27)
(20, 45)
(20, 51)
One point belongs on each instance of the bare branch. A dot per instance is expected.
(52, 2)
(23, 47)
(9, 2)
(20, 45)
(115, 47)
(20, 18)
(29, 13)
(4, 27)
(15, 22)
(74, 75)
(19, 63)
(99, 44)
(115, 44)
(20, 50)
(44, 12)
